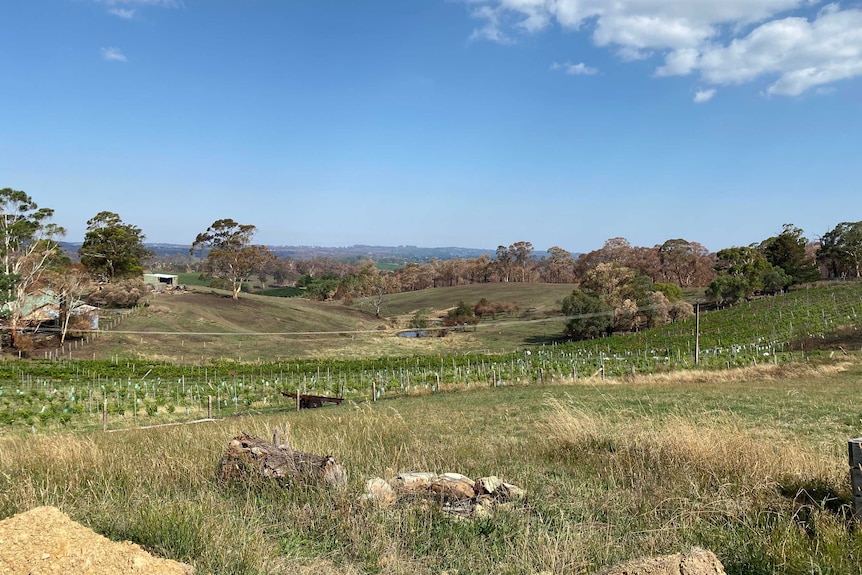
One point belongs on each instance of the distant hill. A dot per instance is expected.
(402, 254)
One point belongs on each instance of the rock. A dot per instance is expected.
(509, 492)
(487, 485)
(378, 491)
(413, 482)
(454, 486)
(696, 562)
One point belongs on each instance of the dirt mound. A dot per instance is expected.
(697, 562)
(45, 541)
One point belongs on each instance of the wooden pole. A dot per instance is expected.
(855, 460)
(209, 407)
(697, 334)
(105, 414)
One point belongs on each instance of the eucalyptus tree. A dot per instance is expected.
(113, 249)
(231, 255)
(28, 242)
(841, 250)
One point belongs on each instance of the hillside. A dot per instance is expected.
(208, 325)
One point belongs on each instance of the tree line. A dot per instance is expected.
(618, 286)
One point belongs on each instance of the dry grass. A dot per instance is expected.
(612, 472)
(766, 372)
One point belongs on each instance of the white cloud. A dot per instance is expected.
(162, 3)
(127, 9)
(725, 42)
(113, 55)
(703, 96)
(124, 13)
(579, 69)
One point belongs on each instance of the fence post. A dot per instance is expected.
(854, 449)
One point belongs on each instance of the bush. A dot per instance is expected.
(420, 319)
(672, 292)
(592, 317)
(484, 308)
(123, 294)
(461, 315)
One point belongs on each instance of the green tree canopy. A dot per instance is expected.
(461, 314)
(841, 250)
(113, 249)
(787, 251)
(588, 315)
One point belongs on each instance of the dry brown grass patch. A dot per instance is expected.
(768, 372)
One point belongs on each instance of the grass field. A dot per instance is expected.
(748, 463)
(297, 327)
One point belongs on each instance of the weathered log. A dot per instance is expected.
(248, 456)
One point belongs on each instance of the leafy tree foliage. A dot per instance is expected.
(588, 315)
(461, 314)
(841, 250)
(28, 247)
(742, 271)
(113, 249)
(728, 288)
(684, 263)
(671, 291)
(231, 255)
(558, 266)
(787, 251)
(484, 308)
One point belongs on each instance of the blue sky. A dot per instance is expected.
(467, 123)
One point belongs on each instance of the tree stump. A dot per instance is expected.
(248, 457)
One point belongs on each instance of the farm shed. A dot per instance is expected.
(161, 280)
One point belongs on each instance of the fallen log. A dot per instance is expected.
(248, 457)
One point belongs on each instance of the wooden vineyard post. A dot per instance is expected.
(297, 398)
(854, 448)
(209, 407)
(373, 391)
(105, 414)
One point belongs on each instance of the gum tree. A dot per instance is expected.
(113, 249)
(231, 255)
(28, 241)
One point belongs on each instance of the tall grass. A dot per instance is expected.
(749, 469)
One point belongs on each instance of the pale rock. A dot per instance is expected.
(454, 486)
(413, 482)
(509, 492)
(488, 485)
(379, 492)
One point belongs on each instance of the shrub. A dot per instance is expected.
(123, 294)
